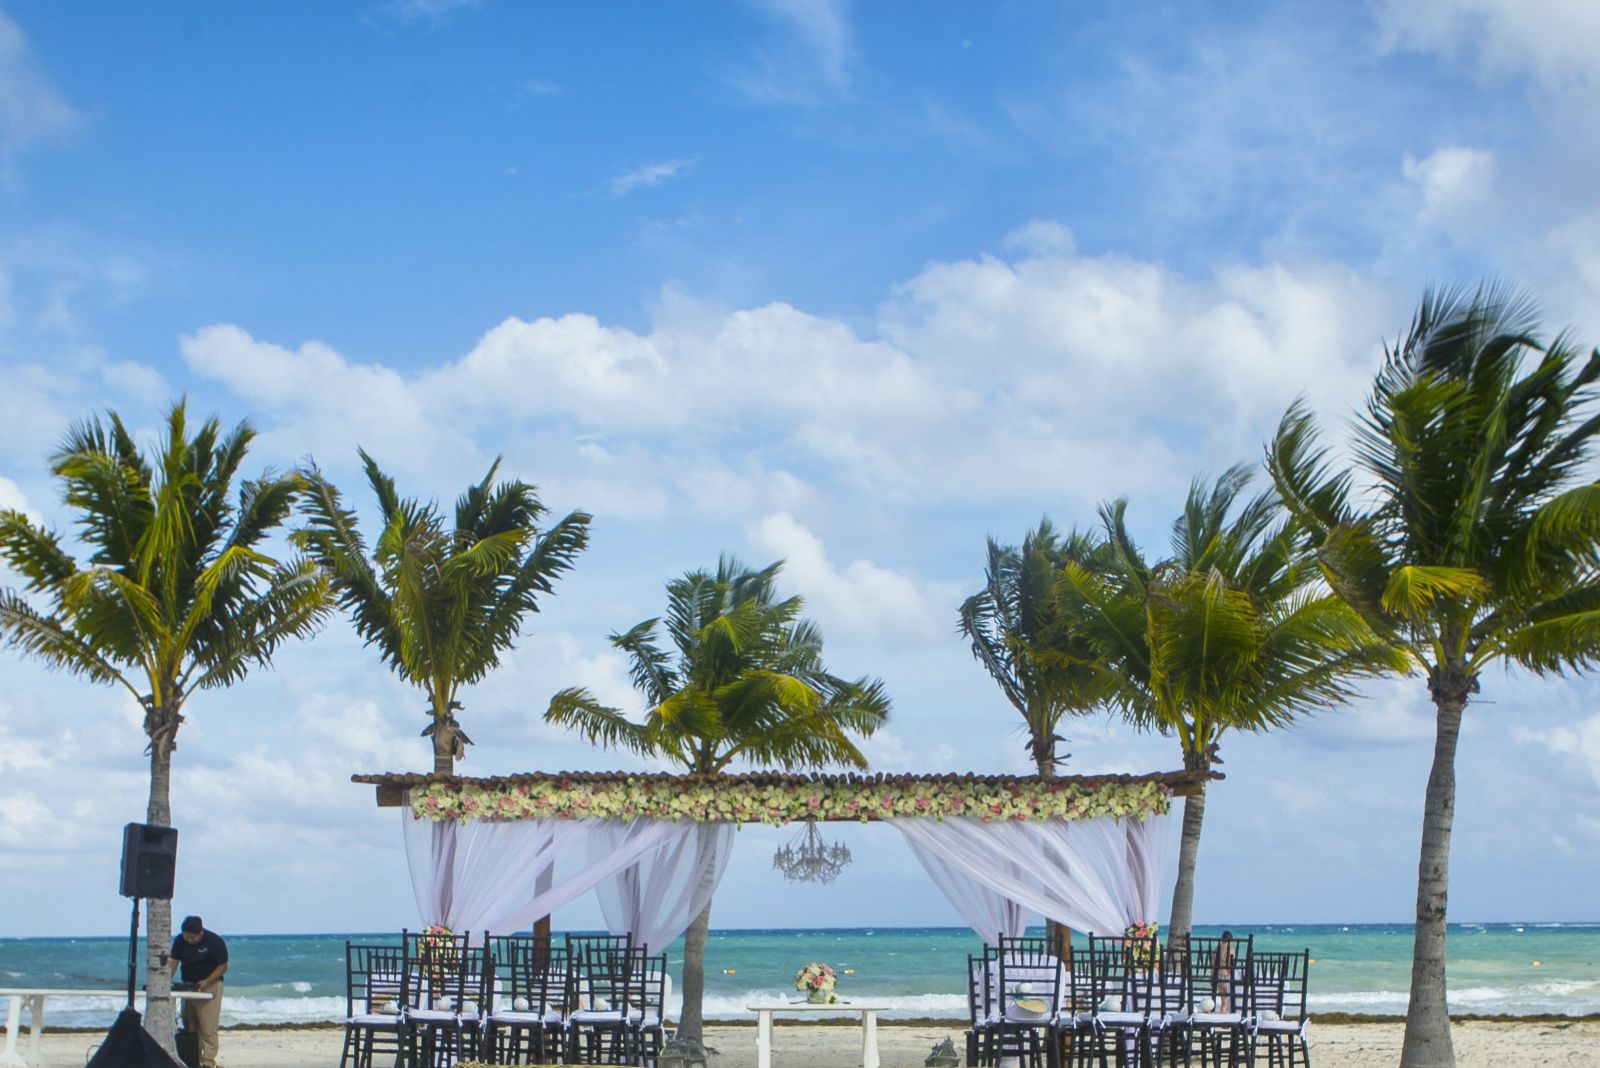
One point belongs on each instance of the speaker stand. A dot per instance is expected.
(133, 950)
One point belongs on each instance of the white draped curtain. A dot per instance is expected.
(654, 877)
(500, 876)
(984, 909)
(1092, 875)
(657, 898)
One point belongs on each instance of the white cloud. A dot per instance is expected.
(1552, 41)
(25, 822)
(1295, 799)
(1580, 741)
(31, 110)
(325, 405)
(1041, 237)
(1456, 184)
(11, 496)
(811, 50)
(649, 175)
(405, 11)
(860, 600)
(980, 380)
(888, 750)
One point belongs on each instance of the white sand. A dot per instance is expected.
(801, 1045)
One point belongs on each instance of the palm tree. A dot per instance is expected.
(1478, 541)
(177, 595)
(1233, 632)
(743, 680)
(441, 601)
(1022, 638)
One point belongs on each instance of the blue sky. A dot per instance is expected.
(854, 285)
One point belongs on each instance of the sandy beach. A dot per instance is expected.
(799, 1045)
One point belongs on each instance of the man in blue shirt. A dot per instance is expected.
(204, 957)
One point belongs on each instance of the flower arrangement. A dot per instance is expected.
(1145, 935)
(437, 947)
(776, 804)
(817, 980)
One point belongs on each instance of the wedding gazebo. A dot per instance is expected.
(500, 854)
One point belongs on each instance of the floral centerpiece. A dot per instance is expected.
(437, 948)
(1145, 936)
(817, 980)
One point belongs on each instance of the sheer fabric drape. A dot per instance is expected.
(500, 876)
(1092, 875)
(985, 910)
(659, 896)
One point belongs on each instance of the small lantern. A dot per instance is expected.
(944, 1055)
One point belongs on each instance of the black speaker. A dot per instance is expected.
(149, 860)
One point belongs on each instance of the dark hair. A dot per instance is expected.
(1225, 934)
(192, 925)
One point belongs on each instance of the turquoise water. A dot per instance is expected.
(917, 971)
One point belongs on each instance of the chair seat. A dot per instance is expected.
(375, 1019)
(1119, 1019)
(1216, 1019)
(528, 1019)
(603, 1016)
(433, 1016)
(1282, 1027)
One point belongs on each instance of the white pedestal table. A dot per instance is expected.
(869, 1025)
(35, 996)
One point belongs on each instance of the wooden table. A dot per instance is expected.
(869, 1025)
(35, 997)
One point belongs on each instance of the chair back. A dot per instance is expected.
(1079, 975)
(652, 986)
(977, 988)
(445, 972)
(1219, 973)
(1278, 984)
(1122, 973)
(375, 979)
(1027, 969)
(610, 975)
(523, 969)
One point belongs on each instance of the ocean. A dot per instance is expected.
(1509, 968)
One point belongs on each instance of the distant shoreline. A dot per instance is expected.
(1233, 924)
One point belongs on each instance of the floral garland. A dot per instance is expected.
(776, 804)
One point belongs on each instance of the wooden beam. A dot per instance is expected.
(391, 795)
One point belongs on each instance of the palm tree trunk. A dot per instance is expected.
(1182, 917)
(1058, 935)
(1427, 1042)
(158, 1014)
(444, 762)
(691, 1021)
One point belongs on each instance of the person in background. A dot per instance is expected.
(204, 957)
(1222, 965)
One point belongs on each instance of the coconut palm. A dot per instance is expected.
(1234, 632)
(441, 601)
(1022, 638)
(742, 680)
(1477, 541)
(178, 594)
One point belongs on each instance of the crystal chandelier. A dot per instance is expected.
(809, 859)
